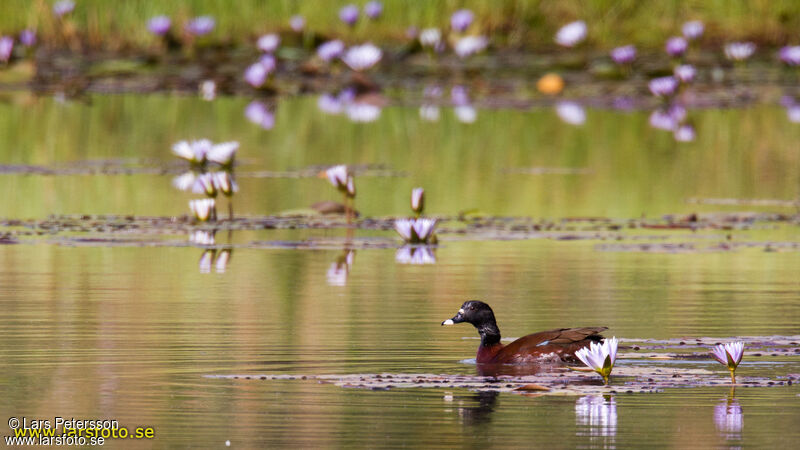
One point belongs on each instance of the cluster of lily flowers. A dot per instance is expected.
(601, 357)
(210, 173)
(464, 39)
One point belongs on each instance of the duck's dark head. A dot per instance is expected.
(475, 312)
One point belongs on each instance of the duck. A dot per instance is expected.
(536, 348)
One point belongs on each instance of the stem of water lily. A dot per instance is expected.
(733, 376)
(605, 380)
(230, 209)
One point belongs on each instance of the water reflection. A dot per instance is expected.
(340, 269)
(411, 254)
(481, 412)
(596, 417)
(218, 259)
(463, 109)
(728, 418)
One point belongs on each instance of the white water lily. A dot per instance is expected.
(362, 57)
(466, 113)
(208, 90)
(416, 231)
(225, 183)
(185, 181)
(203, 209)
(571, 34)
(730, 355)
(195, 151)
(430, 37)
(417, 200)
(205, 184)
(337, 175)
(268, 43)
(739, 51)
(470, 45)
(362, 112)
(600, 357)
(223, 153)
(571, 113)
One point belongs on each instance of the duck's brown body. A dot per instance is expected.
(561, 343)
(558, 344)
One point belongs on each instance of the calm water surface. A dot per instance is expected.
(130, 332)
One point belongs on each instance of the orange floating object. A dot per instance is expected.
(550, 84)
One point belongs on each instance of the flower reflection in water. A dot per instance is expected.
(218, 259)
(728, 418)
(340, 269)
(596, 415)
(409, 254)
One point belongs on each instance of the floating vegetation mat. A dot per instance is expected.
(642, 367)
(668, 234)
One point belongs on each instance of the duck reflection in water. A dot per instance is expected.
(476, 409)
(596, 417)
(728, 418)
(340, 269)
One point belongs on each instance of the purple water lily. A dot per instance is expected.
(684, 133)
(663, 86)
(685, 73)
(268, 43)
(257, 113)
(692, 30)
(730, 355)
(461, 20)
(256, 75)
(459, 96)
(27, 38)
(200, 26)
(6, 46)
(297, 23)
(373, 9)
(349, 14)
(624, 55)
(362, 57)
(676, 46)
(63, 7)
(790, 55)
(330, 50)
(159, 25)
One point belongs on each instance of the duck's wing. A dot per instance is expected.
(560, 341)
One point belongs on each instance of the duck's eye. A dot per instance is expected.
(472, 308)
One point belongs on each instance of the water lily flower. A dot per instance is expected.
(203, 209)
(208, 90)
(430, 37)
(685, 73)
(6, 46)
(600, 357)
(730, 355)
(206, 260)
(739, 51)
(571, 112)
(330, 50)
(159, 25)
(663, 86)
(416, 231)
(408, 254)
(340, 269)
(257, 113)
(429, 113)
(469, 45)
(790, 55)
(692, 30)
(337, 176)
(459, 95)
(684, 133)
(225, 183)
(362, 112)
(205, 184)
(729, 419)
(195, 152)
(63, 7)
(676, 46)
(571, 34)
(297, 23)
(349, 14)
(202, 237)
(793, 112)
(27, 37)
(200, 26)
(373, 9)
(268, 43)
(223, 153)
(418, 200)
(598, 413)
(466, 113)
(461, 19)
(185, 181)
(624, 55)
(362, 57)
(663, 120)
(329, 104)
(256, 75)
